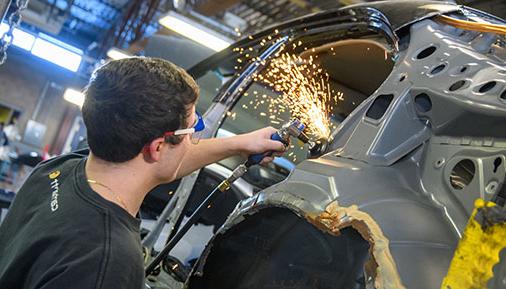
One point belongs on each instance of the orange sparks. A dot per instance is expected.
(304, 91)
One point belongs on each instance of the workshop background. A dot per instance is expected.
(60, 42)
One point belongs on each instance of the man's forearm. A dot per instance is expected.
(208, 151)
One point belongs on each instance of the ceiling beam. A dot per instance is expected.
(213, 7)
(139, 45)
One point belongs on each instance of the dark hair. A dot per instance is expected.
(132, 101)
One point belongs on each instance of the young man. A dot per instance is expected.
(73, 224)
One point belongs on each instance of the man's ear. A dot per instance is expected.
(152, 151)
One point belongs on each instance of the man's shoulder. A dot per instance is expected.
(59, 163)
(58, 169)
(65, 158)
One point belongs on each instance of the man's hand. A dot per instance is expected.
(259, 141)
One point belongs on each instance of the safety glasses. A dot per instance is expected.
(195, 131)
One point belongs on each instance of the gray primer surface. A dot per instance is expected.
(397, 168)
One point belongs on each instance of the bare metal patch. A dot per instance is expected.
(381, 267)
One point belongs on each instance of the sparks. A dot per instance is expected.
(304, 91)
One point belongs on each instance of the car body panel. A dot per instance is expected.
(401, 168)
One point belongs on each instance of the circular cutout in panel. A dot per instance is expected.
(423, 102)
(463, 69)
(457, 85)
(487, 86)
(437, 69)
(462, 174)
(426, 52)
(491, 188)
(503, 95)
(401, 79)
(439, 163)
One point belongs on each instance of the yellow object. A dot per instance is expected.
(475, 26)
(54, 175)
(225, 185)
(477, 253)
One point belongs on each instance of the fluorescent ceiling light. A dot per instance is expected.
(56, 54)
(195, 31)
(74, 96)
(115, 53)
(60, 43)
(3, 28)
(22, 39)
(46, 47)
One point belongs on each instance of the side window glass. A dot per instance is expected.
(209, 85)
(339, 75)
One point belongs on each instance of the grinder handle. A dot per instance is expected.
(257, 158)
